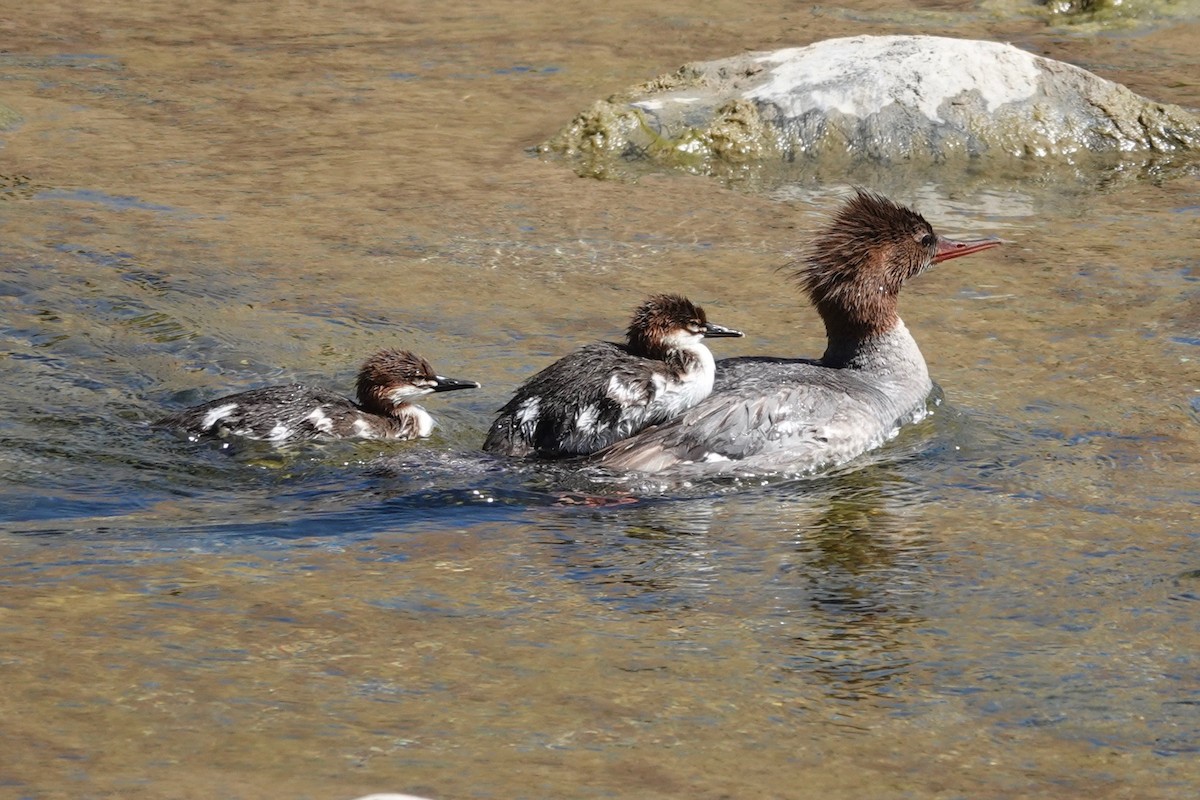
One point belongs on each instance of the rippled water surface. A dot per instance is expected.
(201, 199)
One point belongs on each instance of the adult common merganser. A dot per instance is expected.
(607, 391)
(799, 415)
(387, 382)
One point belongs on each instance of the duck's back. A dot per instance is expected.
(287, 413)
(581, 403)
(774, 414)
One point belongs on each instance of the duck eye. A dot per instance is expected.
(928, 240)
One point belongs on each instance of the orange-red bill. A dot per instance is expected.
(953, 248)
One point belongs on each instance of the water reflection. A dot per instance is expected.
(828, 573)
(859, 571)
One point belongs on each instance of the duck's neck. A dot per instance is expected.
(692, 362)
(413, 419)
(421, 418)
(893, 352)
(694, 370)
(859, 320)
(409, 415)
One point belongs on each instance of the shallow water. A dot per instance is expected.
(1001, 603)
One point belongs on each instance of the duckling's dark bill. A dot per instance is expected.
(714, 331)
(453, 384)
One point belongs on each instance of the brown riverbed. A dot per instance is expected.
(203, 197)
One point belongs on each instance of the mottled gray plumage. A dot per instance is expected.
(799, 415)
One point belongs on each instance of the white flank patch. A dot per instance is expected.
(861, 75)
(624, 394)
(586, 422)
(527, 412)
(321, 422)
(216, 415)
(363, 428)
(713, 458)
(279, 433)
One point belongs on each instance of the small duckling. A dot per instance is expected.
(605, 392)
(387, 382)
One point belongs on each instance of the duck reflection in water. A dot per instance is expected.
(826, 572)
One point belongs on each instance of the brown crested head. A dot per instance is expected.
(387, 371)
(856, 265)
(657, 323)
(390, 378)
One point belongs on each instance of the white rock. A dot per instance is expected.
(876, 98)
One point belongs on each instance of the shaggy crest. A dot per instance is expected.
(856, 265)
(660, 315)
(382, 372)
